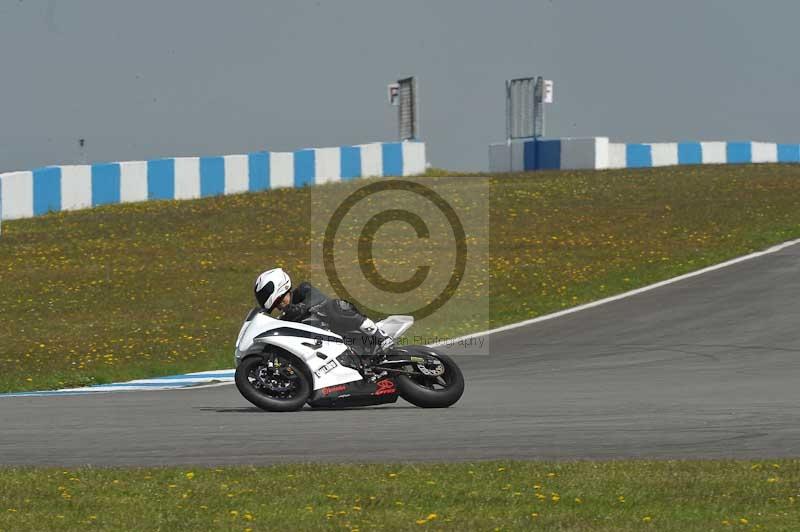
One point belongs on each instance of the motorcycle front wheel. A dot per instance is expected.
(432, 391)
(273, 382)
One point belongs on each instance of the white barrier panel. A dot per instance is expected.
(582, 153)
(328, 165)
(414, 162)
(371, 160)
(616, 155)
(499, 158)
(765, 152)
(237, 174)
(17, 195)
(664, 153)
(601, 153)
(714, 152)
(281, 165)
(133, 181)
(76, 187)
(187, 177)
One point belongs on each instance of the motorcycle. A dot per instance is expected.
(281, 366)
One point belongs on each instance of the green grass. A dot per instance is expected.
(148, 289)
(596, 496)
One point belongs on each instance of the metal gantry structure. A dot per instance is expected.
(525, 99)
(404, 95)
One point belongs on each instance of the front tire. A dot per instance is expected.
(433, 392)
(273, 382)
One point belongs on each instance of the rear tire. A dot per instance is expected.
(253, 389)
(419, 392)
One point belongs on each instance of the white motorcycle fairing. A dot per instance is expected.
(318, 348)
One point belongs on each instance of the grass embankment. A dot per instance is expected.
(633, 495)
(156, 288)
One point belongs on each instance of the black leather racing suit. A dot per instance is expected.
(304, 297)
(342, 317)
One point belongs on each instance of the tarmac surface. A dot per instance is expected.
(707, 367)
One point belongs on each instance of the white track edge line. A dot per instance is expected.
(592, 304)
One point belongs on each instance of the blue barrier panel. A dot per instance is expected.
(392, 158)
(212, 176)
(739, 152)
(258, 167)
(105, 184)
(161, 179)
(690, 153)
(548, 154)
(528, 156)
(350, 162)
(638, 156)
(789, 153)
(304, 168)
(46, 190)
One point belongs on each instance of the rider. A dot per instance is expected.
(273, 290)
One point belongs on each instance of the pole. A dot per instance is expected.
(508, 125)
(538, 108)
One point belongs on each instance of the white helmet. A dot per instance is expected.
(271, 286)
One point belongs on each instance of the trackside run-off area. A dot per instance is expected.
(145, 290)
(579, 496)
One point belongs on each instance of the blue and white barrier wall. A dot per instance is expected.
(548, 154)
(60, 188)
(647, 155)
(599, 153)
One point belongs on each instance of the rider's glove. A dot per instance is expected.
(387, 343)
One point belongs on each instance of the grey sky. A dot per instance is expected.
(142, 79)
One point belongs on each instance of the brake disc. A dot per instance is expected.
(433, 368)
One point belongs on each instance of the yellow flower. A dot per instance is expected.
(432, 517)
(551, 475)
(772, 479)
(233, 513)
(555, 498)
(535, 515)
(578, 500)
(743, 520)
(501, 469)
(392, 475)
(190, 475)
(421, 521)
(332, 496)
(647, 519)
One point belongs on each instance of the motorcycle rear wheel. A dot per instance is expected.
(256, 380)
(433, 392)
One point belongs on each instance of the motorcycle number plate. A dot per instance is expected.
(324, 370)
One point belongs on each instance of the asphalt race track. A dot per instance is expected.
(707, 367)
